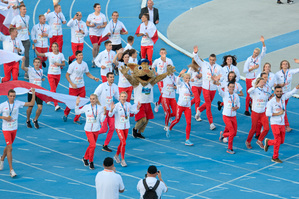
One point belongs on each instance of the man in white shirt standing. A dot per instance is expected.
(108, 183)
(21, 22)
(107, 92)
(113, 30)
(104, 60)
(10, 113)
(276, 111)
(40, 34)
(96, 22)
(55, 20)
(74, 76)
(151, 181)
(252, 69)
(78, 31)
(13, 44)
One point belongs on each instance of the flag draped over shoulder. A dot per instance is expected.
(7, 57)
(22, 87)
(6, 16)
(151, 30)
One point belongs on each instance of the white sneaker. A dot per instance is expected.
(57, 108)
(116, 158)
(197, 116)
(212, 126)
(166, 128)
(49, 103)
(123, 163)
(12, 173)
(156, 107)
(1, 165)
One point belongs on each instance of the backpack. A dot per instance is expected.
(150, 193)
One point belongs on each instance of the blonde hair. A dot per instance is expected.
(184, 74)
(97, 99)
(124, 92)
(257, 50)
(194, 65)
(258, 80)
(285, 61)
(265, 65)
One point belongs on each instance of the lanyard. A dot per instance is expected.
(114, 27)
(126, 116)
(232, 97)
(94, 115)
(282, 107)
(254, 60)
(15, 43)
(285, 75)
(212, 70)
(42, 30)
(188, 88)
(38, 73)
(229, 69)
(57, 15)
(78, 23)
(24, 21)
(172, 79)
(110, 88)
(10, 110)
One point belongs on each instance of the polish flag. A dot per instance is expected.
(109, 29)
(7, 57)
(151, 30)
(22, 87)
(6, 16)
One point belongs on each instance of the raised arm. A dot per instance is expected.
(23, 64)
(31, 103)
(197, 59)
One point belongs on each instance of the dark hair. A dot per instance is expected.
(11, 91)
(12, 29)
(132, 51)
(107, 42)
(96, 4)
(108, 162)
(127, 52)
(234, 79)
(263, 73)
(37, 58)
(114, 12)
(146, 15)
(130, 39)
(21, 6)
(109, 73)
(234, 58)
(277, 86)
(55, 44)
(212, 55)
(230, 83)
(57, 5)
(163, 49)
(78, 52)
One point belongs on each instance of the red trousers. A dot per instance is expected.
(42, 50)
(104, 78)
(230, 130)
(179, 112)
(75, 92)
(11, 68)
(196, 100)
(160, 86)
(255, 118)
(286, 120)
(111, 122)
(92, 139)
(279, 136)
(248, 99)
(76, 47)
(128, 90)
(168, 103)
(147, 50)
(208, 96)
(53, 81)
(122, 135)
(58, 39)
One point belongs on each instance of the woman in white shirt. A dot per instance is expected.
(231, 104)
(95, 115)
(122, 111)
(284, 79)
(56, 62)
(184, 104)
(133, 56)
(196, 83)
(230, 64)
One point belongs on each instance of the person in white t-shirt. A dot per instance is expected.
(108, 183)
(10, 113)
(104, 60)
(78, 32)
(230, 64)
(160, 67)
(15, 4)
(75, 77)
(130, 42)
(96, 23)
(56, 19)
(56, 61)
(133, 56)
(114, 29)
(40, 34)
(122, 111)
(184, 104)
(35, 77)
(106, 93)
(276, 111)
(151, 181)
(21, 22)
(95, 115)
(231, 104)
(251, 69)
(284, 79)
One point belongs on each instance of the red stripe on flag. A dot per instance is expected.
(138, 30)
(103, 39)
(155, 37)
(3, 28)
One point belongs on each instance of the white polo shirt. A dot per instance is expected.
(226, 70)
(229, 102)
(105, 58)
(251, 62)
(122, 80)
(115, 29)
(76, 26)
(35, 76)
(168, 90)
(184, 93)
(259, 99)
(108, 183)
(55, 21)
(11, 45)
(98, 21)
(36, 34)
(12, 110)
(77, 72)
(197, 82)
(106, 93)
(23, 33)
(286, 78)
(161, 66)
(59, 58)
(151, 181)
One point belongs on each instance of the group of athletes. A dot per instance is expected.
(105, 114)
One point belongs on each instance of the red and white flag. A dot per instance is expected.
(7, 57)
(151, 30)
(22, 87)
(109, 29)
(6, 16)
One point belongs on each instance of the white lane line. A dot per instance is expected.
(80, 169)
(197, 184)
(205, 171)
(274, 180)
(133, 162)
(31, 137)
(36, 164)
(162, 152)
(34, 11)
(74, 142)
(169, 196)
(208, 145)
(30, 178)
(20, 192)
(228, 174)
(228, 160)
(138, 149)
(80, 131)
(45, 151)
(251, 163)
(23, 149)
(173, 181)
(50, 180)
(52, 139)
(73, 183)
(59, 167)
(245, 191)
(178, 154)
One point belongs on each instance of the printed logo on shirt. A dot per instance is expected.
(146, 91)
